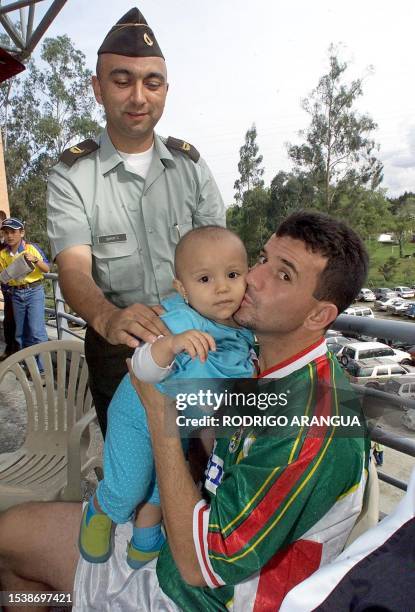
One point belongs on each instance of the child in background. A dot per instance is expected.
(210, 267)
(9, 328)
(27, 294)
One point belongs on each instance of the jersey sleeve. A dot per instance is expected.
(265, 502)
(68, 224)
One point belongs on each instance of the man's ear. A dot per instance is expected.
(321, 317)
(97, 89)
(177, 285)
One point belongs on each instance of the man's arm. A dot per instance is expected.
(210, 207)
(117, 325)
(178, 493)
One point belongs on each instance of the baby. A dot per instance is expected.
(210, 268)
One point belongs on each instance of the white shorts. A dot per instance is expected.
(114, 587)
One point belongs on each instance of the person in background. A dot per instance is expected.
(378, 453)
(27, 294)
(9, 327)
(118, 206)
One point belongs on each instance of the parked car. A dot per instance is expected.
(408, 419)
(372, 372)
(381, 292)
(404, 386)
(359, 311)
(384, 302)
(366, 295)
(336, 343)
(410, 311)
(404, 292)
(366, 350)
(331, 333)
(396, 306)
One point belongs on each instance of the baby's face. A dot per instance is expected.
(214, 277)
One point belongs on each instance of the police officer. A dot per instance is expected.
(118, 206)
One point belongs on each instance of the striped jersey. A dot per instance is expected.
(279, 501)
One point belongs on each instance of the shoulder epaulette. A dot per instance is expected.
(183, 147)
(71, 155)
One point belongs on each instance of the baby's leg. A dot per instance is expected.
(147, 535)
(128, 475)
(128, 457)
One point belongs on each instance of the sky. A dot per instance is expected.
(232, 63)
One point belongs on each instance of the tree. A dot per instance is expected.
(250, 220)
(289, 192)
(338, 151)
(249, 165)
(389, 268)
(50, 106)
(367, 211)
(403, 222)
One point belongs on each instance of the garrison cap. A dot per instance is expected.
(131, 36)
(13, 223)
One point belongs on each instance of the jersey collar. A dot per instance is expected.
(20, 248)
(296, 362)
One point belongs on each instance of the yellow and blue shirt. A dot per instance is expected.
(6, 258)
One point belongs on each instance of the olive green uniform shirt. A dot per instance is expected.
(132, 225)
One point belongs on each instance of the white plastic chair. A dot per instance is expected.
(53, 458)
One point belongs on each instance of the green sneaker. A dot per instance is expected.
(96, 537)
(137, 558)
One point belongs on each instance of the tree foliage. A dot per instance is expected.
(44, 109)
(338, 152)
(388, 268)
(249, 166)
(289, 192)
(250, 220)
(403, 223)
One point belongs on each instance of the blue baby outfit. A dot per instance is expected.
(129, 475)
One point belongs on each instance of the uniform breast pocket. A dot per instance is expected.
(180, 229)
(118, 267)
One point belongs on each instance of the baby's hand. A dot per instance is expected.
(195, 343)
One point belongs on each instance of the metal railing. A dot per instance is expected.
(58, 312)
(386, 330)
(58, 318)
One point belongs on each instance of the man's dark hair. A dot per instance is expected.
(347, 259)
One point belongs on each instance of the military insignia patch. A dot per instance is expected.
(148, 40)
(183, 147)
(71, 155)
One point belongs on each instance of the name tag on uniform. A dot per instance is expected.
(112, 238)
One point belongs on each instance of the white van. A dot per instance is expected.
(367, 350)
(359, 311)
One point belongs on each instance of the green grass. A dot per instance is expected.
(380, 253)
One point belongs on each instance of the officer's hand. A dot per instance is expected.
(134, 323)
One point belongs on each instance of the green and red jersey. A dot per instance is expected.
(277, 504)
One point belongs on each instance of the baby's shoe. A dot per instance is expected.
(137, 557)
(96, 535)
